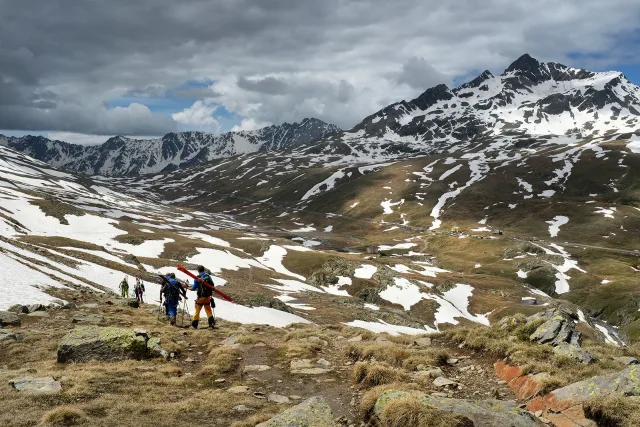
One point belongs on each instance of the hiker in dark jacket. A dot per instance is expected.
(204, 290)
(139, 289)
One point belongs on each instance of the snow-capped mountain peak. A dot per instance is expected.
(529, 100)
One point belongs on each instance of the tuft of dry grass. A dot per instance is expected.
(373, 374)
(397, 355)
(297, 350)
(390, 353)
(171, 371)
(410, 411)
(64, 416)
(430, 357)
(369, 399)
(222, 360)
(613, 411)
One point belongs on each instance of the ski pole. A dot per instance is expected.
(184, 308)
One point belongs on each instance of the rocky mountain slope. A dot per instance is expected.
(125, 156)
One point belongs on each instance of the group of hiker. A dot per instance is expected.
(138, 288)
(173, 291)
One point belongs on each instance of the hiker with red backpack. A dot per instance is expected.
(204, 286)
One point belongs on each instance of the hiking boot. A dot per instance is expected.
(173, 320)
(212, 322)
(195, 324)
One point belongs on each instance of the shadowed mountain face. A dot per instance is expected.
(121, 156)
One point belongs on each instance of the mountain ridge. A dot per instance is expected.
(122, 156)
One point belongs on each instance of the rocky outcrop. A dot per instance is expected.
(10, 336)
(330, 270)
(564, 406)
(524, 387)
(106, 343)
(314, 412)
(8, 318)
(560, 332)
(29, 385)
(483, 413)
(26, 309)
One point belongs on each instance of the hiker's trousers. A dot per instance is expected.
(172, 307)
(203, 302)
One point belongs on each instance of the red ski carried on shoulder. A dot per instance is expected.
(193, 276)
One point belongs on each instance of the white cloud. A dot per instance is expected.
(249, 124)
(199, 115)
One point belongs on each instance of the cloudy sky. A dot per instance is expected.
(84, 70)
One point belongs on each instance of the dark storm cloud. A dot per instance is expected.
(270, 60)
(419, 74)
(268, 85)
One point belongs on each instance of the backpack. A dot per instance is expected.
(173, 288)
(203, 290)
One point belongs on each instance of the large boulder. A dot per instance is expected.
(314, 412)
(564, 405)
(105, 343)
(8, 318)
(29, 385)
(483, 413)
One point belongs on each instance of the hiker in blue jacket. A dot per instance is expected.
(172, 290)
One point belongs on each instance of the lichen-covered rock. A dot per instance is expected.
(154, 349)
(565, 404)
(567, 334)
(314, 412)
(575, 352)
(10, 336)
(103, 343)
(8, 318)
(548, 331)
(29, 385)
(483, 413)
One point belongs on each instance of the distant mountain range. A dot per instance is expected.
(531, 102)
(121, 156)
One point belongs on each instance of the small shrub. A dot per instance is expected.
(373, 374)
(222, 360)
(64, 416)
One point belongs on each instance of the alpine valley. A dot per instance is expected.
(501, 218)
